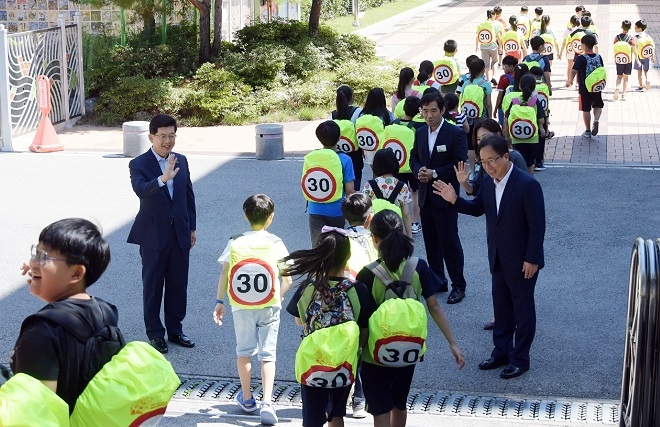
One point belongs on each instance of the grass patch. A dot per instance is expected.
(344, 24)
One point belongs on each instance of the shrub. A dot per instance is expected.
(307, 59)
(129, 95)
(312, 94)
(287, 33)
(260, 66)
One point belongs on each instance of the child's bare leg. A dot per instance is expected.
(244, 366)
(267, 379)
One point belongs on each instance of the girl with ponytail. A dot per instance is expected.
(404, 88)
(385, 387)
(322, 269)
(347, 111)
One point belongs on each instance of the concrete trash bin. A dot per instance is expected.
(270, 141)
(136, 138)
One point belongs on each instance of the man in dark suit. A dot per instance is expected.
(439, 147)
(165, 230)
(512, 201)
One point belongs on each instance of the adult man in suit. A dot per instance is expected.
(165, 230)
(512, 201)
(438, 147)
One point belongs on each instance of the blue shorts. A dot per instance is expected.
(256, 332)
(642, 64)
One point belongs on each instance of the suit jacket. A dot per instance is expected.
(516, 233)
(454, 141)
(158, 211)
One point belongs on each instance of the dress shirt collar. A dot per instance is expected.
(501, 184)
(160, 159)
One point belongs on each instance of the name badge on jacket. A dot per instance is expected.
(441, 148)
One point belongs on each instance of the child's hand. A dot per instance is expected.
(218, 313)
(458, 355)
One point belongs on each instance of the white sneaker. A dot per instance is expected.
(616, 94)
(359, 406)
(416, 228)
(267, 414)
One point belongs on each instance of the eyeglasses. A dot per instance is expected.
(488, 162)
(41, 256)
(163, 137)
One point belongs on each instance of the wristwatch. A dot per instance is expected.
(435, 174)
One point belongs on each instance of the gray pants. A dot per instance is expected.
(316, 223)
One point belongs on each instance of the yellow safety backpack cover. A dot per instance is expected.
(25, 402)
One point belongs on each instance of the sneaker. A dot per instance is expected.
(267, 414)
(539, 167)
(416, 228)
(359, 410)
(639, 89)
(249, 405)
(648, 85)
(616, 94)
(594, 129)
(623, 96)
(586, 134)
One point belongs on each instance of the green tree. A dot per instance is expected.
(208, 50)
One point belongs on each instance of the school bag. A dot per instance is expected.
(398, 110)
(381, 202)
(596, 75)
(522, 122)
(645, 46)
(543, 95)
(369, 132)
(400, 139)
(623, 49)
(398, 328)
(322, 176)
(328, 354)
(445, 71)
(576, 41)
(548, 44)
(26, 401)
(472, 101)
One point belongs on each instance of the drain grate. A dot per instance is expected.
(432, 403)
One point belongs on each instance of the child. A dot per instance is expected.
(583, 65)
(512, 41)
(645, 54)
(475, 94)
(411, 116)
(487, 41)
(347, 111)
(624, 55)
(386, 388)
(320, 168)
(425, 76)
(508, 65)
(536, 22)
(453, 115)
(447, 69)
(385, 185)
(567, 46)
(250, 275)
(324, 284)
(404, 90)
(465, 77)
(543, 94)
(537, 43)
(524, 24)
(71, 256)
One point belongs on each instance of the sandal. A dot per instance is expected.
(249, 405)
(550, 135)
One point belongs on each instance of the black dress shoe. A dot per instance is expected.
(455, 296)
(489, 326)
(492, 363)
(512, 371)
(159, 344)
(182, 340)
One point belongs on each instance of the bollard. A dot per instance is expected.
(269, 141)
(136, 138)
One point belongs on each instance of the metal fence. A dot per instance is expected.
(24, 57)
(640, 388)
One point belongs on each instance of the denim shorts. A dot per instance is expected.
(256, 332)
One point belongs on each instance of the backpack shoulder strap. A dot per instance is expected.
(236, 236)
(409, 269)
(532, 101)
(410, 125)
(374, 187)
(70, 320)
(380, 272)
(395, 192)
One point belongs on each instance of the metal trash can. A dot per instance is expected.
(270, 141)
(136, 138)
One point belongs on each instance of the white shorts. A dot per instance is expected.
(256, 332)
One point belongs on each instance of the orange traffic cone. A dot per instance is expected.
(45, 140)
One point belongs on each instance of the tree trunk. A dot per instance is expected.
(314, 18)
(204, 31)
(217, 29)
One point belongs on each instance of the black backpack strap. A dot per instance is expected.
(236, 236)
(72, 320)
(395, 192)
(374, 187)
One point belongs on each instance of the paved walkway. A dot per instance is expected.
(627, 132)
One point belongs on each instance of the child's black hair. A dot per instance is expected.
(513, 21)
(328, 133)
(451, 102)
(510, 60)
(575, 21)
(376, 105)
(589, 40)
(343, 102)
(80, 242)
(524, 8)
(527, 86)
(394, 246)
(450, 46)
(625, 25)
(426, 66)
(497, 10)
(641, 24)
(536, 42)
(385, 162)
(405, 76)
(469, 60)
(331, 253)
(356, 208)
(411, 106)
(518, 72)
(536, 71)
(476, 67)
(422, 77)
(258, 208)
(538, 10)
(585, 21)
(161, 121)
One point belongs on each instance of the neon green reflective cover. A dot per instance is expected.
(27, 402)
(328, 357)
(130, 390)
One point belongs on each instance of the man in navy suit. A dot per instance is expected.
(512, 201)
(438, 147)
(165, 230)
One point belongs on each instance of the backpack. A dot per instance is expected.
(369, 132)
(596, 75)
(521, 119)
(101, 340)
(623, 49)
(328, 354)
(398, 328)
(400, 138)
(534, 60)
(472, 101)
(381, 202)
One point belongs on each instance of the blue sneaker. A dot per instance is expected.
(249, 405)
